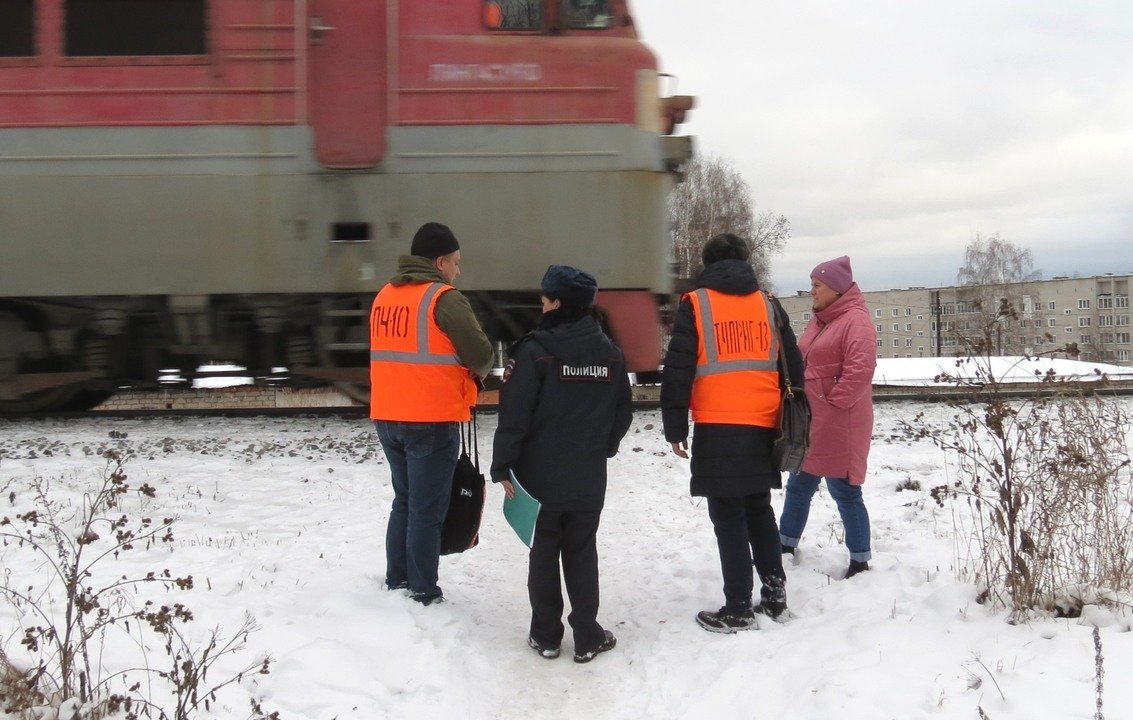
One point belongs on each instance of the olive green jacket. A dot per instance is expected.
(453, 314)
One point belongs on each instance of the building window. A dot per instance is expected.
(134, 27)
(1085, 339)
(1038, 340)
(908, 312)
(1106, 320)
(1083, 322)
(1121, 301)
(1083, 304)
(17, 29)
(1122, 320)
(896, 312)
(1123, 338)
(909, 342)
(877, 313)
(1051, 322)
(1105, 302)
(1068, 311)
(908, 327)
(877, 327)
(1069, 329)
(896, 342)
(920, 333)
(806, 316)
(879, 342)
(1123, 355)
(1050, 306)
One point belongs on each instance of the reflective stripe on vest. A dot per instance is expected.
(415, 373)
(713, 364)
(737, 378)
(422, 356)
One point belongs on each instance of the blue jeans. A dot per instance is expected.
(796, 509)
(422, 457)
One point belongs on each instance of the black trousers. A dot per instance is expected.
(571, 537)
(746, 530)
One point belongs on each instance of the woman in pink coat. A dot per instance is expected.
(839, 349)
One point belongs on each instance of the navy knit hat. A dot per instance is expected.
(569, 285)
(433, 240)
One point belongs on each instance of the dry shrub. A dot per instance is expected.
(1046, 482)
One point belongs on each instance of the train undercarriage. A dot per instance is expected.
(73, 353)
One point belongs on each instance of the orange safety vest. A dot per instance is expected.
(737, 379)
(415, 373)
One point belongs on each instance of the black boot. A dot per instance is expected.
(727, 621)
(856, 566)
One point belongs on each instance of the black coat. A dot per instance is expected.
(727, 460)
(564, 408)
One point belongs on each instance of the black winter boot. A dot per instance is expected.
(856, 566)
(727, 621)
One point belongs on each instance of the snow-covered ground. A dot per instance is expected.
(284, 519)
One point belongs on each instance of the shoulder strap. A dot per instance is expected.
(784, 374)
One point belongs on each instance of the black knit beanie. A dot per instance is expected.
(433, 240)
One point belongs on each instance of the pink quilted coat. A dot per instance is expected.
(839, 348)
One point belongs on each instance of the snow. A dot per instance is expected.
(921, 371)
(284, 518)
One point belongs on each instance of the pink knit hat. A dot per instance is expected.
(835, 274)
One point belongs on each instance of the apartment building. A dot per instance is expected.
(1041, 316)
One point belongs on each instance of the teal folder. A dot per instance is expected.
(522, 512)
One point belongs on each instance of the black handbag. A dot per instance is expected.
(461, 529)
(791, 445)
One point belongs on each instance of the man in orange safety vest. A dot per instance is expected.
(427, 354)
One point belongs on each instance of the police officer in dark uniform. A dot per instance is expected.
(564, 408)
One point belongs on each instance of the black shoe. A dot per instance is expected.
(547, 651)
(856, 566)
(428, 600)
(607, 644)
(397, 586)
(771, 609)
(725, 621)
(787, 549)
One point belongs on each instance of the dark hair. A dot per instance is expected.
(725, 246)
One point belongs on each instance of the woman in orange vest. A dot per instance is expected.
(721, 366)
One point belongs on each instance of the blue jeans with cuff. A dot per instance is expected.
(796, 509)
(422, 457)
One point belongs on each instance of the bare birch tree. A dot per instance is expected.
(996, 276)
(714, 198)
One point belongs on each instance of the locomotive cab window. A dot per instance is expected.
(17, 29)
(589, 14)
(514, 14)
(134, 27)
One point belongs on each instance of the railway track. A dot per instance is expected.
(248, 400)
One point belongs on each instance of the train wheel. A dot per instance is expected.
(54, 399)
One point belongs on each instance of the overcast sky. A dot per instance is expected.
(895, 131)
